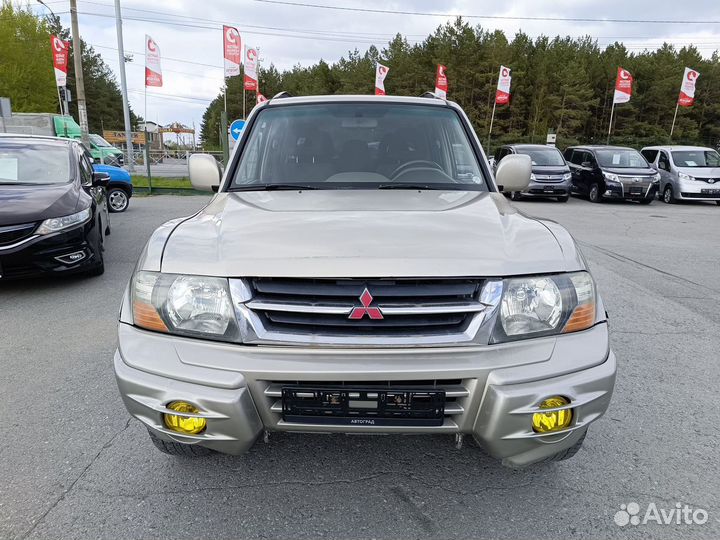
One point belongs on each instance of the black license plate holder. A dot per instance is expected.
(710, 191)
(363, 406)
(635, 191)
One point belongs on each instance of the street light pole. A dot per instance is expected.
(79, 81)
(123, 87)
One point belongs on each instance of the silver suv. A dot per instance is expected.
(359, 271)
(686, 172)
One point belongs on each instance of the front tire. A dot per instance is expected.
(565, 198)
(178, 449)
(647, 201)
(594, 194)
(668, 197)
(515, 196)
(118, 200)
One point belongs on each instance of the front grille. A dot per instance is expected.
(701, 195)
(549, 178)
(401, 307)
(11, 234)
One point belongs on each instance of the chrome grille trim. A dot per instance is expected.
(416, 312)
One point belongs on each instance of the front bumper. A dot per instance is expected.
(548, 189)
(236, 387)
(693, 191)
(629, 192)
(37, 255)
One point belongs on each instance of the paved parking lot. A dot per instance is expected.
(73, 465)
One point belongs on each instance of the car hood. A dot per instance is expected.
(23, 204)
(701, 172)
(368, 233)
(117, 174)
(629, 171)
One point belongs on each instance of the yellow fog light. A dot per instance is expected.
(546, 422)
(184, 424)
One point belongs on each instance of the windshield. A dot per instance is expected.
(34, 163)
(696, 158)
(621, 158)
(543, 157)
(358, 146)
(97, 140)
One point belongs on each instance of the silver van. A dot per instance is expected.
(686, 172)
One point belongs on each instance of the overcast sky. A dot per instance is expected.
(288, 35)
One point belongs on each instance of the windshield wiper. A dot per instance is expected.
(273, 187)
(400, 185)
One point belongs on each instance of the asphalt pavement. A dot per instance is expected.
(74, 465)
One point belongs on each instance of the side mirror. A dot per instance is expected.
(204, 172)
(491, 162)
(513, 172)
(100, 179)
(586, 165)
(97, 160)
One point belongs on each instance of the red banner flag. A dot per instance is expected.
(441, 82)
(261, 98)
(251, 80)
(232, 51)
(380, 74)
(623, 86)
(687, 90)
(502, 95)
(61, 56)
(153, 71)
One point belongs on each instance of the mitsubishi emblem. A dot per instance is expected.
(359, 312)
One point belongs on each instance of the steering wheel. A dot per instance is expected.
(417, 163)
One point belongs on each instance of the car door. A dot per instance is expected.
(666, 174)
(96, 192)
(581, 173)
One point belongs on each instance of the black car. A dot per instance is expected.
(550, 174)
(53, 208)
(612, 172)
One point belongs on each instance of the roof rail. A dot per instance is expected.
(429, 95)
(281, 95)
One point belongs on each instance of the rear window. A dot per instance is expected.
(34, 163)
(358, 145)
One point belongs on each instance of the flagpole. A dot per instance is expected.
(672, 128)
(492, 119)
(612, 111)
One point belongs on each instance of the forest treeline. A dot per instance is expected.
(562, 84)
(28, 79)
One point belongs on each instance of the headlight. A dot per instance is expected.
(545, 305)
(532, 177)
(188, 305)
(610, 177)
(567, 176)
(683, 176)
(54, 225)
(656, 178)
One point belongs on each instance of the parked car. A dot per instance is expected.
(550, 173)
(120, 188)
(53, 209)
(686, 172)
(612, 172)
(359, 271)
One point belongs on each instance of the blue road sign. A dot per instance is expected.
(236, 129)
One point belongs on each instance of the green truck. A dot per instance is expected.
(63, 126)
